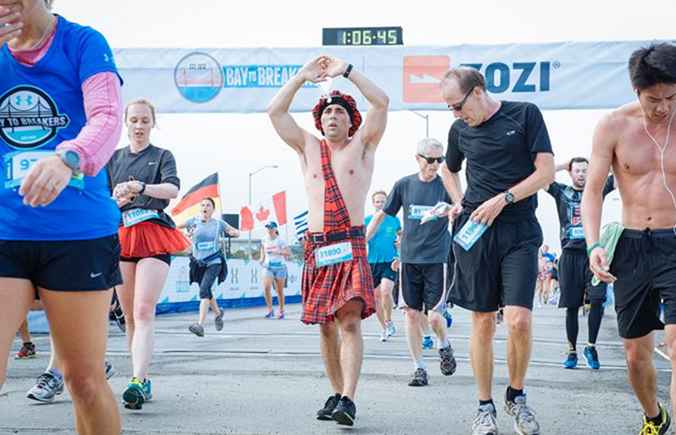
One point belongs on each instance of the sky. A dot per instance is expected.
(238, 144)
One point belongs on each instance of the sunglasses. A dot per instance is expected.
(431, 160)
(458, 107)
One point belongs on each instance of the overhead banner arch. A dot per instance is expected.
(567, 75)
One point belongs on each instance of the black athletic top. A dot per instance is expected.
(500, 154)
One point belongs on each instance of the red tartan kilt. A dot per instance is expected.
(327, 289)
(147, 239)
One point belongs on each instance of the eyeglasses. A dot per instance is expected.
(431, 160)
(458, 107)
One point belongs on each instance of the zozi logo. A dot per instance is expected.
(516, 77)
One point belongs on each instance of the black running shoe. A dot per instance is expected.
(117, 315)
(447, 362)
(419, 378)
(329, 406)
(345, 412)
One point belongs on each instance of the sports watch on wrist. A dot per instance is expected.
(71, 159)
(509, 197)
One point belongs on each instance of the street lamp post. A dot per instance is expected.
(251, 174)
(426, 117)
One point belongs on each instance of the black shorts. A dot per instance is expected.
(165, 258)
(74, 265)
(500, 269)
(380, 271)
(645, 267)
(423, 285)
(208, 279)
(576, 280)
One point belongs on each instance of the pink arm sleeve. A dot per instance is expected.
(99, 137)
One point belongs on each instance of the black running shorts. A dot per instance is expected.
(423, 285)
(645, 267)
(500, 269)
(75, 265)
(380, 271)
(576, 280)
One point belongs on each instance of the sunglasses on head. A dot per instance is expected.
(431, 160)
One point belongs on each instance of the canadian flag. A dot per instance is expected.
(269, 209)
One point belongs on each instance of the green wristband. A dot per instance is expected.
(592, 247)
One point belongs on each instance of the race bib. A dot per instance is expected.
(205, 246)
(575, 233)
(469, 234)
(333, 254)
(18, 164)
(275, 264)
(416, 212)
(138, 215)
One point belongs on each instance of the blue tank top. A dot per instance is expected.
(40, 107)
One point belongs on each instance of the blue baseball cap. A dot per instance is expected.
(271, 225)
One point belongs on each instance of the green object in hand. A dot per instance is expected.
(610, 235)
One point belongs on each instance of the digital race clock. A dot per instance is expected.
(363, 36)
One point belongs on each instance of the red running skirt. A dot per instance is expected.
(147, 239)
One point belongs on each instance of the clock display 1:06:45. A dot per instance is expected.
(368, 37)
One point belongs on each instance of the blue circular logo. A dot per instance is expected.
(29, 118)
(199, 77)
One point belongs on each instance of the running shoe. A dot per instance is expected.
(46, 388)
(27, 351)
(524, 417)
(571, 361)
(449, 317)
(218, 321)
(281, 315)
(196, 329)
(110, 371)
(419, 378)
(345, 412)
(650, 428)
(117, 315)
(383, 336)
(147, 390)
(329, 406)
(133, 397)
(447, 362)
(390, 329)
(485, 422)
(592, 357)
(500, 317)
(427, 342)
(270, 315)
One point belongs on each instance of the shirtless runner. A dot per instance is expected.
(636, 140)
(337, 282)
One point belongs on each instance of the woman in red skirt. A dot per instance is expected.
(143, 178)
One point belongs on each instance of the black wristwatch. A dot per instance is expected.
(509, 197)
(143, 188)
(348, 70)
(71, 159)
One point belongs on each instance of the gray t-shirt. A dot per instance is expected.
(420, 244)
(206, 237)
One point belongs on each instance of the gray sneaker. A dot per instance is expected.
(46, 388)
(110, 371)
(524, 417)
(196, 329)
(485, 422)
(218, 321)
(447, 362)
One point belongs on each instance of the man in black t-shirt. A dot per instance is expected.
(424, 252)
(509, 158)
(575, 275)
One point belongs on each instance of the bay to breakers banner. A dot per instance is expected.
(566, 75)
(242, 287)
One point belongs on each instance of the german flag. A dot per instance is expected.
(189, 206)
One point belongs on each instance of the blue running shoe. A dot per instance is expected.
(449, 318)
(571, 361)
(592, 357)
(270, 315)
(427, 342)
(147, 390)
(133, 396)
